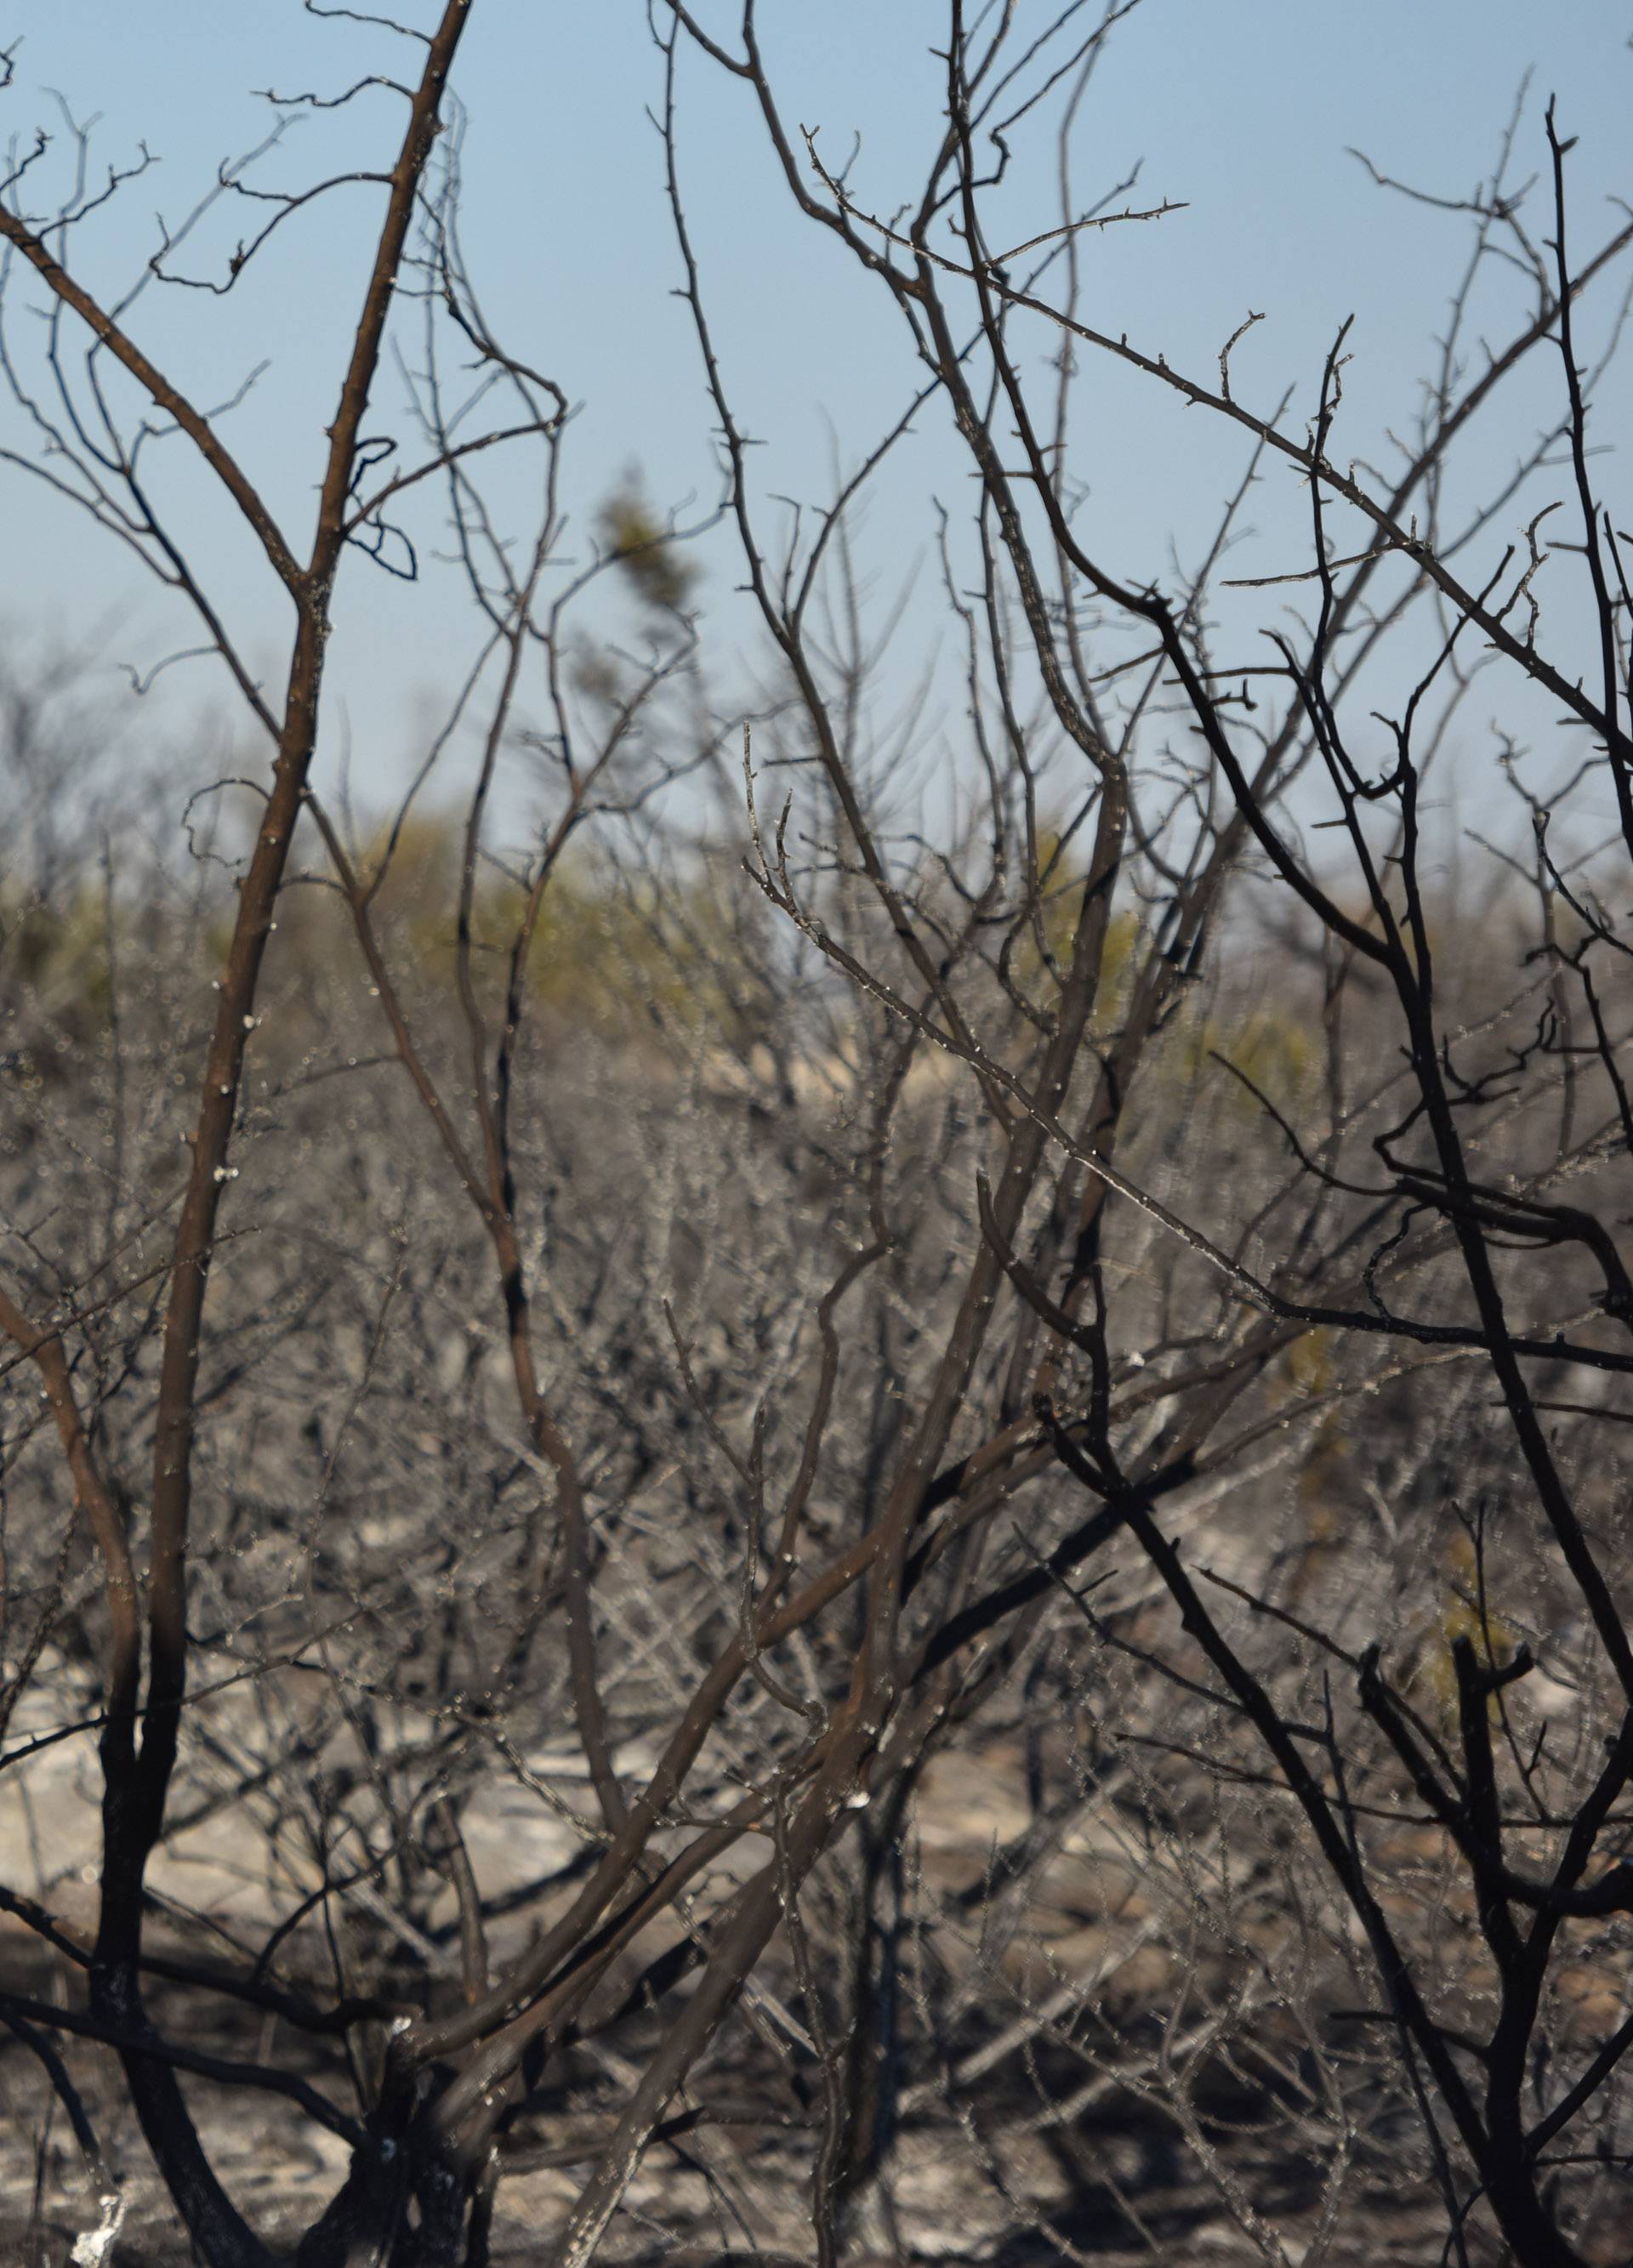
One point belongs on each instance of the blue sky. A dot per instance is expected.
(1243, 109)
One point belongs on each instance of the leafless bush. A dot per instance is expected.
(896, 1520)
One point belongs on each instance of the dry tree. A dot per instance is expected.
(945, 1480)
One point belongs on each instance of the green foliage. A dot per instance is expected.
(1463, 1615)
(57, 954)
(1310, 1368)
(602, 952)
(1309, 1362)
(1059, 879)
(649, 556)
(605, 952)
(1268, 1047)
